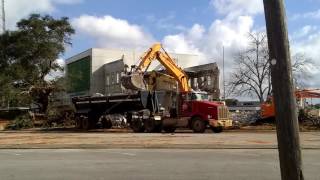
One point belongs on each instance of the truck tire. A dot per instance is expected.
(78, 123)
(137, 126)
(93, 118)
(85, 123)
(106, 123)
(218, 129)
(169, 129)
(151, 126)
(198, 125)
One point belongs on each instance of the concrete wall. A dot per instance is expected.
(205, 78)
(113, 73)
(100, 57)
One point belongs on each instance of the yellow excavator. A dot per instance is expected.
(135, 79)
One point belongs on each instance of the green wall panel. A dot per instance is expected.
(79, 75)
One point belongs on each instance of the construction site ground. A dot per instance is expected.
(123, 138)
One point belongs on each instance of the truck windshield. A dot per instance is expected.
(199, 96)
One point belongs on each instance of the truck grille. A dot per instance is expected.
(223, 112)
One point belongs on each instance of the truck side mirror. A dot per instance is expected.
(133, 67)
(125, 68)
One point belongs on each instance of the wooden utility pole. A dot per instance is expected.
(283, 91)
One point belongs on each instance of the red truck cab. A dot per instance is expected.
(203, 112)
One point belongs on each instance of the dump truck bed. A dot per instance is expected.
(110, 104)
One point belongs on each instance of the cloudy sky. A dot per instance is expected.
(197, 27)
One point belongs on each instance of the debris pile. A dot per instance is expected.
(245, 117)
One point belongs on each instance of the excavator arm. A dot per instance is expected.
(174, 71)
(164, 58)
(155, 53)
(148, 57)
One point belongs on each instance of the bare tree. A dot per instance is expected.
(251, 76)
(301, 69)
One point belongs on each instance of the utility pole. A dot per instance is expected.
(3, 17)
(283, 91)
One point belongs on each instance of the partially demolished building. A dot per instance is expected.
(98, 71)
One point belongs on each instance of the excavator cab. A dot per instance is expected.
(267, 108)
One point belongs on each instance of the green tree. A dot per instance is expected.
(30, 54)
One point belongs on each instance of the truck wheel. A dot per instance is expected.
(198, 125)
(169, 129)
(218, 129)
(106, 123)
(78, 123)
(137, 126)
(149, 126)
(85, 123)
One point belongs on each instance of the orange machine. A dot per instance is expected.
(267, 108)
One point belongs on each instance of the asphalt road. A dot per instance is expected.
(154, 164)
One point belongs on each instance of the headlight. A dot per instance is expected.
(157, 118)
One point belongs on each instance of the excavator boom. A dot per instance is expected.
(156, 52)
(148, 57)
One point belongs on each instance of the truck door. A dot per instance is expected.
(186, 105)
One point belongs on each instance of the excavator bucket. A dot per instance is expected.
(134, 81)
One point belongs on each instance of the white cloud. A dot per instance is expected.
(112, 32)
(61, 62)
(304, 31)
(67, 1)
(196, 32)
(307, 41)
(165, 22)
(233, 8)
(180, 43)
(17, 9)
(232, 34)
(308, 15)
(58, 73)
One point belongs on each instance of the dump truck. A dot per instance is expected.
(150, 109)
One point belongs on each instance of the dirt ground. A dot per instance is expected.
(119, 138)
